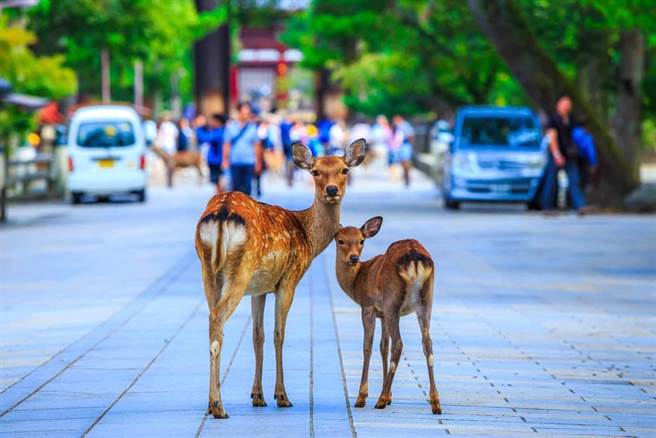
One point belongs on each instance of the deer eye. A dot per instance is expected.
(315, 173)
(341, 242)
(362, 242)
(345, 170)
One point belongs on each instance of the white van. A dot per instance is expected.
(106, 153)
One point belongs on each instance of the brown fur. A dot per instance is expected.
(250, 248)
(388, 286)
(180, 160)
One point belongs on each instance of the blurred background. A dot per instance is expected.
(309, 66)
(492, 127)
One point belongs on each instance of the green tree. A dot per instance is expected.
(406, 56)
(610, 37)
(43, 76)
(157, 32)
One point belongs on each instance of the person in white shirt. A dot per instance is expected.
(167, 135)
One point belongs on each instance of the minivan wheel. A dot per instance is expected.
(76, 197)
(450, 204)
(141, 195)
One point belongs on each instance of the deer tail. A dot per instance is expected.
(223, 233)
(415, 268)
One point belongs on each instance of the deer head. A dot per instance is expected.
(350, 240)
(330, 173)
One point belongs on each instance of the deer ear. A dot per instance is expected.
(302, 156)
(371, 227)
(355, 152)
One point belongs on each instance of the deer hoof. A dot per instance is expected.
(383, 402)
(361, 401)
(435, 407)
(258, 400)
(283, 401)
(217, 410)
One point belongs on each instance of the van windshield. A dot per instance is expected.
(103, 134)
(497, 131)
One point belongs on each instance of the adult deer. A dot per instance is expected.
(388, 286)
(250, 248)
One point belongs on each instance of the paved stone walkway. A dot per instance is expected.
(542, 327)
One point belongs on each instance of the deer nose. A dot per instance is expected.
(354, 259)
(332, 190)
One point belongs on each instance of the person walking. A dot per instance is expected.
(286, 139)
(242, 151)
(212, 134)
(185, 135)
(404, 136)
(167, 135)
(563, 154)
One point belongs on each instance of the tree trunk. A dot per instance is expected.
(138, 85)
(507, 29)
(321, 88)
(212, 66)
(628, 132)
(106, 81)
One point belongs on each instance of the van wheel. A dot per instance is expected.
(141, 195)
(76, 198)
(450, 204)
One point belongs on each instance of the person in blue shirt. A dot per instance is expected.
(242, 150)
(213, 134)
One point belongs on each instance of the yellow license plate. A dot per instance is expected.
(105, 163)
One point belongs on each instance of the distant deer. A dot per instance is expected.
(179, 160)
(251, 248)
(388, 286)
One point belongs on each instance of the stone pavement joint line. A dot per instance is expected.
(226, 372)
(41, 376)
(339, 350)
(540, 326)
(141, 373)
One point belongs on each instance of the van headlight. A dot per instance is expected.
(464, 162)
(535, 162)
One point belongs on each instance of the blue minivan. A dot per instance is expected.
(496, 156)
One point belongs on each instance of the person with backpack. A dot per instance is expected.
(242, 150)
(563, 154)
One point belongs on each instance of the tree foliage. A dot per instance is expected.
(158, 32)
(407, 56)
(43, 76)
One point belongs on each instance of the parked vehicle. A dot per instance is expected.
(107, 153)
(495, 156)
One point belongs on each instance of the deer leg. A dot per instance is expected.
(423, 311)
(232, 292)
(257, 312)
(369, 325)
(392, 322)
(384, 348)
(284, 297)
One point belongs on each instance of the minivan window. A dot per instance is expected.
(105, 134)
(499, 131)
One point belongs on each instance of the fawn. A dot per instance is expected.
(251, 248)
(388, 286)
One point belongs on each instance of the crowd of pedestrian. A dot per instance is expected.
(238, 150)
